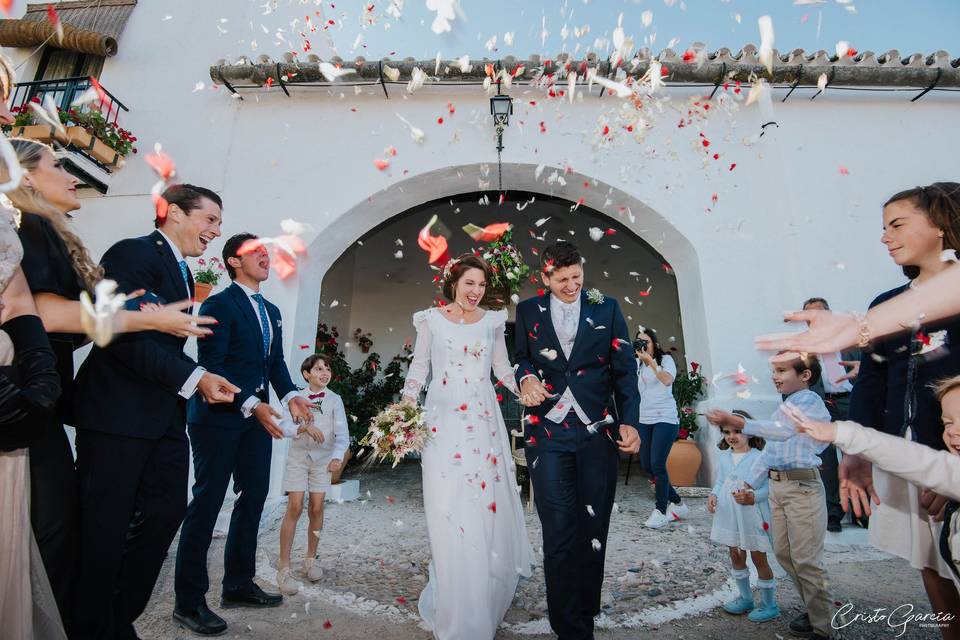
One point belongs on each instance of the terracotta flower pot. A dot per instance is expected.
(104, 153)
(201, 291)
(38, 132)
(79, 137)
(683, 463)
(365, 348)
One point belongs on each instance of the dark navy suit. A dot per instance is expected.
(572, 467)
(132, 452)
(226, 444)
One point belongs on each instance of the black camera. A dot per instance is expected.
(639, 345)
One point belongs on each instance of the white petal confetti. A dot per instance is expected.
(766, 42)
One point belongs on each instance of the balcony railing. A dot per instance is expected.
(64, 92)
(91, 130)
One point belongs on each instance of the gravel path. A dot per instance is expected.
(375, 555)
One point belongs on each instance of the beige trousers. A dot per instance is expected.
(799, 513)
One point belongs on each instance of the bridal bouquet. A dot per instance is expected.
(396, 431)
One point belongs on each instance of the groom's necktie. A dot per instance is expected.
(264, 324)
(185, 273)
(569, 329)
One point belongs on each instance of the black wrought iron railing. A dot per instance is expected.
(65, 92)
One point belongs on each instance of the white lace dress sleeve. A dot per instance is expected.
(501, 360)
(420, 365)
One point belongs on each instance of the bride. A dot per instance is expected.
(478, 536)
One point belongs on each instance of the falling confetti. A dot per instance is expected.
(766, 42)
(596, 544)
(435, 246)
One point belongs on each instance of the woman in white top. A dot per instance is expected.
(659, 424)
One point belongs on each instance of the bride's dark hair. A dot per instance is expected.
(461, 265)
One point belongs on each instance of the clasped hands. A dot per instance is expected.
(533, 392)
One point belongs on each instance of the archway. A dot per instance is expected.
(617, 206)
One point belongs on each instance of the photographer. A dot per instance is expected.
(659, 424)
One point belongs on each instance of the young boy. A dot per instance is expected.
(796, 495)
(314, 455)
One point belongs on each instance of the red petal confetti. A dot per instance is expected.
(463, 407)
(439, 120)
(664, 71)
(844, 171)
(705, 142)
(534, 419)
(435, 246)
(851, 52)
(611, 232)
(6, 6)
(716, 156)
(606, 130)
(304, 346)
(492, 506)
(532, 441)
(713, 198)
(491, 232)
(380, 163)
(924, 338)
(766, 527)
(733, 165)
(543, 128)
(450, 108)
(162, 164)
(401, 600)
(540, 292)
(391, 499)
(269, 82)
(327, 625)
(688, 55)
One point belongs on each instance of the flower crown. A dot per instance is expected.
(447, 269)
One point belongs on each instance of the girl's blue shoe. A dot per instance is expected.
(739, 606)
(764, 613)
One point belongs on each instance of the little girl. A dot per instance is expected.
(314, 455)
(741, 521)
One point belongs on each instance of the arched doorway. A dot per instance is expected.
(609, 207)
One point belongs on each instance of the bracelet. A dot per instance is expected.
(864, 330)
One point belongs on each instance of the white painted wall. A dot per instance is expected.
(784, 218)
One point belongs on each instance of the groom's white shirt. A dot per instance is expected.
(565, 319)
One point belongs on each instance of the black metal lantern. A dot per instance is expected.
(501, 108)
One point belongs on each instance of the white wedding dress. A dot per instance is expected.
(478, 536)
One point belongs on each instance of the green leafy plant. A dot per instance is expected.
(366, 390)
(687, 391)
(509, 269)
(209, 274)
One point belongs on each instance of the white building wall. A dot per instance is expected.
(786, 224)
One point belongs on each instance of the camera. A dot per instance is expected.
(639, 345)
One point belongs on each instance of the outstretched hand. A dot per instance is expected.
(856, 485)
(827, 333)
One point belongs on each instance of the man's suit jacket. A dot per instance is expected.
(601, 371)
(131, 387)
(235, 351)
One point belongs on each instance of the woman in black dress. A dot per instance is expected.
(58, 268)
(893, 393)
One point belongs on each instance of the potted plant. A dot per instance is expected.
(684, 460)
(509, 270)
(365, 340)
(25, 124)
(206, 277)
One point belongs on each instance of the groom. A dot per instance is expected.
(578, 379)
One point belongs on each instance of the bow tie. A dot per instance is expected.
(314, 396)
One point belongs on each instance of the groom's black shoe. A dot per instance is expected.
(201, 621)
(252, 596)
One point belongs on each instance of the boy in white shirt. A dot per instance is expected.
(314, 455)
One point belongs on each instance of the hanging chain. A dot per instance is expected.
(499, 171)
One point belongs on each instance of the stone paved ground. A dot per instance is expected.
(375, 555)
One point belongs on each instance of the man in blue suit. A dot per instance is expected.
(130, 412)
(234, 439)
(578, 379)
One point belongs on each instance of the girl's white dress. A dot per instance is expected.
(746, 526)
(478, 536)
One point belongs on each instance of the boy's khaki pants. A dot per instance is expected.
(799, 527)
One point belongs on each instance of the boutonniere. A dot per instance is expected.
(594, 296)
(317, 400)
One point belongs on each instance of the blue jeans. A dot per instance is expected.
(656, 440)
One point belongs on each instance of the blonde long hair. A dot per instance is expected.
(26, 198)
